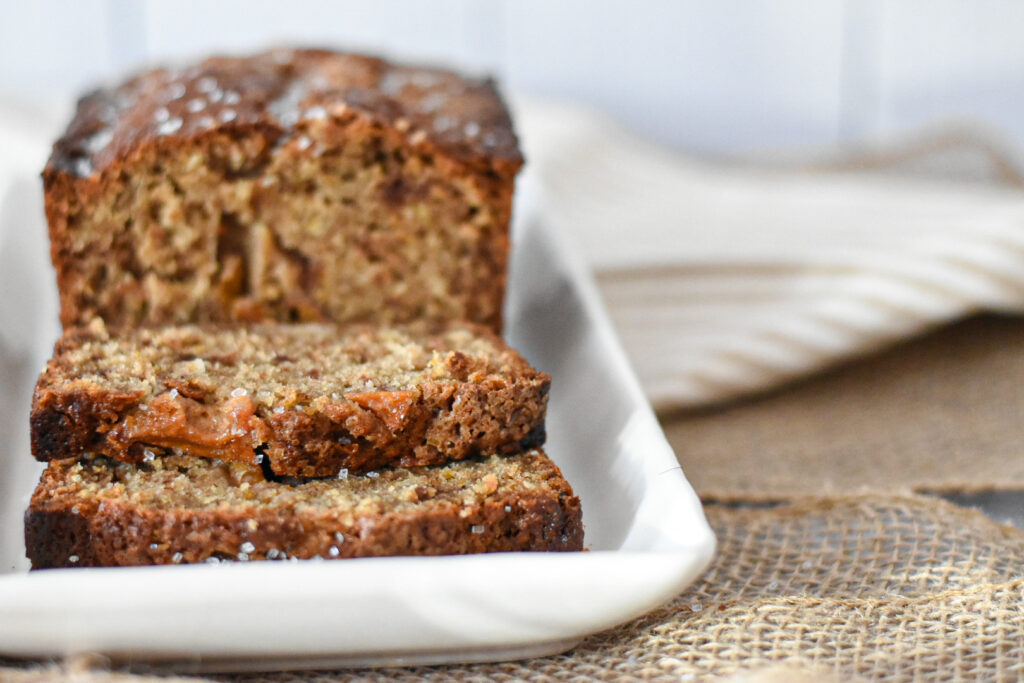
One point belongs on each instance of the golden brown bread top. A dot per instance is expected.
(277, 366)
(275, 91)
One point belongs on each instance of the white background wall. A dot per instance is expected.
(707, 76)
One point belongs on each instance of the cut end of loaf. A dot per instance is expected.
(291, 186)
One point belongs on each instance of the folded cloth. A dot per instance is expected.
(724, 280)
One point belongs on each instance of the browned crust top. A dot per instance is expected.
(273, 91)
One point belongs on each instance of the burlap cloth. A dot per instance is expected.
(837, 558)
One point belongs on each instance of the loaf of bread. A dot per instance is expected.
(179, 509)
(292, 185)
(301, 400)
(281, 281)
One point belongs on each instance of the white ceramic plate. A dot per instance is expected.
(645, 530)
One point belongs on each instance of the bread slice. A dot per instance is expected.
(289, 185)
(180, 509)
(303, 400)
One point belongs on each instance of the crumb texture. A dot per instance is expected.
(290, 185)
(305, 399)
(182, 509)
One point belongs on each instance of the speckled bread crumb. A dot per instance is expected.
(289, 185)
(181, 509)
(307, 400)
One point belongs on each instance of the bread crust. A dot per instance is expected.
(487, 400)
(66, 528)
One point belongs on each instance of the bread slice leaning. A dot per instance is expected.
(96, 512)
(302, 400)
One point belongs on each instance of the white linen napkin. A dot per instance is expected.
(725, 280)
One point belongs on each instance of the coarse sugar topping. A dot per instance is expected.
(280, 367)
(285, 89)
